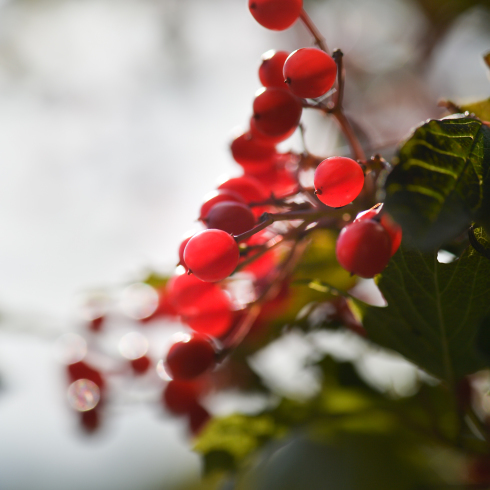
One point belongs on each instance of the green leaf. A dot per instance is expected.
(225, 442)
(433, 311)
(479, 109)
(156, 280)
(344, 462)
(441, 181)
(483, 338)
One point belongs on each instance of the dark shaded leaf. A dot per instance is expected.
(343, 462)
(433, 311)
(441, 181)
(483, 339)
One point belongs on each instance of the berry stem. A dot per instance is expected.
(267, 219)
(350, 136)
(319, 39)
(336, 111)
(237, 335)
(476, 244)
(338, 56)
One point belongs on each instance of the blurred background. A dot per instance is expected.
(115, 120)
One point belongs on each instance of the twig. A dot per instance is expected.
(319, 39)
(476, 244)
(268, 218)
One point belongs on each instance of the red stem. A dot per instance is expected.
(319, 39)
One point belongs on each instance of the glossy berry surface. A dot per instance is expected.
(188, 294)
(276, 111)
(276, 15)
(215, 320)
(214, 197)
(267, 139)
(189, 358)
(211, 255)
(338, 181)
(279, 180)
(364, 248)
(232, 217)
(393, 229)
(248, 150)
(249, 188)
(271, 67)
(309, 72)
(204, 306)
(181, 251)
(211, 314)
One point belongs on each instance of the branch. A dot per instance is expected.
(319, 39)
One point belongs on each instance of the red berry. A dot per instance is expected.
(211, 255)
(214, 197)
(232, 217)
(81, 370)
(140, 365)
(276, 15)
(344, 315)
(90, 420)
(181, 251)
(203, 305)
(276, 111)
(386, 222)
(215, 320)
(198, 418)
(164, 308)
(280, 181)
(188, 294)
(250, 189)
(270, 70)
(364, 248)
(394, 230)
(310, 72)
(266, 139)
(338, 181)
(190, 358)
(248, 150)
(265, 263)
(96, 324)
(180, 396)
(211, 314)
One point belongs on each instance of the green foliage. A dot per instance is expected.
(344, 462)
(434, 310)
(227, 441)
(441, 181)
(156, 280)
(480, 109)
(318, 264)
(349, 436)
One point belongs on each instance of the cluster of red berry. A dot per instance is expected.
(255, 222)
